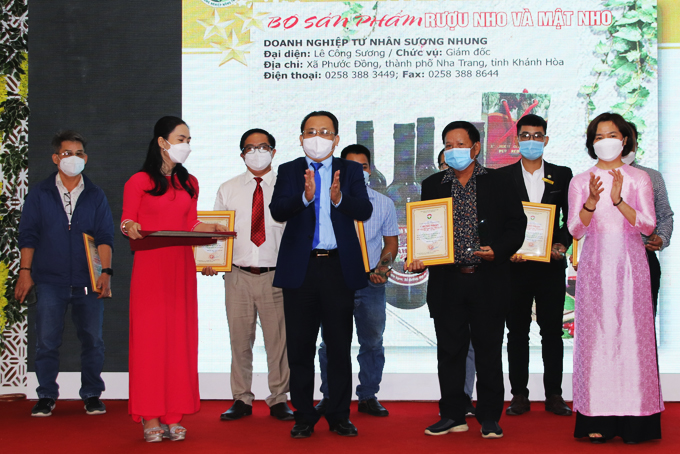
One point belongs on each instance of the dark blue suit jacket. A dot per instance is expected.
(296, 244)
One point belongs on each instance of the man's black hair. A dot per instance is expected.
(67, 135)
(270, 138)
(320, 113)
(356, 149)
(532, 120)
(473, 133)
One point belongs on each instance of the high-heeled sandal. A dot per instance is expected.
(597, 440)
(153, 434)
(172, 434)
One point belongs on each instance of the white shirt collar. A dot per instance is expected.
(327, 163)
(538, 173)
(62, 188)
(267, 178)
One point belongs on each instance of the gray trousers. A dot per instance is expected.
(247, 296)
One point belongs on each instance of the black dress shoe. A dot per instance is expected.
(302, 429)
(373, 407)
(344, 428)
(557, 405)
(237, 411)
(518, 405)
(321, 406)
(281, 412)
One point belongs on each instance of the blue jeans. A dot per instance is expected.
(88, 314)
(369, 317)
(470, 371)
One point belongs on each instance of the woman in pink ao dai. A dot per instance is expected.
(616, 380)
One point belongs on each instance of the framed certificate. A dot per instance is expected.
(538, 237)
(576, 250)
(359, 226)
(219, 254)
(429, 231)
(94, 263)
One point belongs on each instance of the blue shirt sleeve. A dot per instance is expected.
(304, 199)
(390, 227)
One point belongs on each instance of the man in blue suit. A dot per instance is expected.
(319, 267)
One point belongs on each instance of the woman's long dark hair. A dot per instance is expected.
(154, 160)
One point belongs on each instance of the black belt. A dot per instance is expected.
(466, 269)
(323, 252)
(256, 270)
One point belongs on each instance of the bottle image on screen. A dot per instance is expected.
(425, 158)
(377, 181)
(404, 291)
(482, 139)
(500, 112)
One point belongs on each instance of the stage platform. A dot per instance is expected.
(70, 430)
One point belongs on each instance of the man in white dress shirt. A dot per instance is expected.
(248, 288)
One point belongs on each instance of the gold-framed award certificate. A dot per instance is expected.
(538, 237)
(576, 251)
(429, 231)
(94, 263)
(219, 254)
(359, 226)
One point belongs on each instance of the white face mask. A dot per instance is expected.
(608, 149)
(317, 147)
(366, 177)
(178, 152)
(258, 161)
(72, 166)
(629, 158)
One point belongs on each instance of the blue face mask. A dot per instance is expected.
(366, 177)
(458, 158)
(531, 149)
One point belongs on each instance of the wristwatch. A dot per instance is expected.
(108, 271)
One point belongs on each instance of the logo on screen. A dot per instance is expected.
(218, 3)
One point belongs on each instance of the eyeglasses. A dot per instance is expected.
(68, 154)
(529, 136)
(67, 202)
(262, 148)
(313, 133)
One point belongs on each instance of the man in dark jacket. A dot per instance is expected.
(319, 267)
(57, 213)
(538, 181)
(467, 299)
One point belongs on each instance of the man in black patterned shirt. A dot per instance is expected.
(468, 299)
